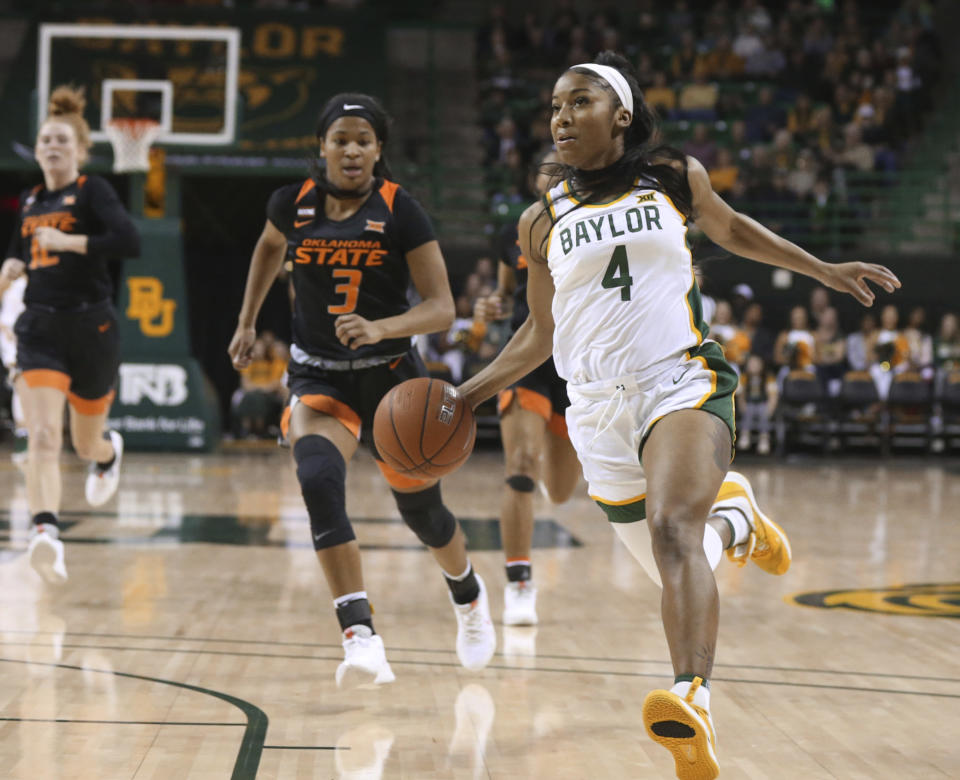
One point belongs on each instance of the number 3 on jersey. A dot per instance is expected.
(350, 289)
(618, 273)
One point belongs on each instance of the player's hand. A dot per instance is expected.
(852, 278)
(52, 239)
(489, 308)
(241, 347)
(355, 331)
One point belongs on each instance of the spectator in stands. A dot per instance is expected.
(800, 118)
(756, 403)
(724, 173)
(735, 343)
(830, 351)
(801, 179)
(784, 152)
(660, 96)
(684, 60)
(844, 105)
(919, 343)
(890, 351)
(855, 155)
(645, 72)
(698, 100)
(753, 14)
(794, 348)
(759, 337)
(701, 146)
(259, 400)
(721, 62)
(768, 61)
(819, 303)
(946, 346)
(860, 344)
(764, 118)
(680, 21)
(747, 43)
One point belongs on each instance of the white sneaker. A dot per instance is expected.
(45, 551)
(101, 485)
(364, 661)
(520, 604)
(476, 636)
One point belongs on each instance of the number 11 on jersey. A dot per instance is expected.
(618, 273)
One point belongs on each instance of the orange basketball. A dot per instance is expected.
(424, 428)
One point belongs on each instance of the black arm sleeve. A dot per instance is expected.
(413, 226)
(119, 237)
(280, 208)
(15, 248)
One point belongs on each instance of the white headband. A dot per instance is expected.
(615, 79)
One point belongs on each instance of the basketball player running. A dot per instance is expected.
(611, 287)
(67, 343)
(532, 429)
(356, 239)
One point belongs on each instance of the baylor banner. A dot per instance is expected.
(163, 401)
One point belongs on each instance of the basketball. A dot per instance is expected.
(424, 428)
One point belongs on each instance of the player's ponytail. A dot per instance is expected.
(663, 166)
(352, 104)
(67, 104)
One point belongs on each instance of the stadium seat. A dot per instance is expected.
(909, 411)
(860, 417)
(800, 416)
(949, 400)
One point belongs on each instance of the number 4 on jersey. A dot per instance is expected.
(618, 273)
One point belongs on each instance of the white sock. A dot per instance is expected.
(459, 577)
(712, 546)
(738, 513)
(339, 601)
(701, 698)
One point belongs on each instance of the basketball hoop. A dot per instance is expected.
(131, 140)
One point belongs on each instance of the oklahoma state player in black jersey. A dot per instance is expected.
(67, 346)
(532, 428)
(356, 240)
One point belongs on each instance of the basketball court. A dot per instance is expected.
(195, 638)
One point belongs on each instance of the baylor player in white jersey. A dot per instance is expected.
(651, 413)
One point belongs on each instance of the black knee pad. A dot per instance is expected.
(425, 515)
(521, 483)
(322, 472)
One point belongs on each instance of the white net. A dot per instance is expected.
(131, 140)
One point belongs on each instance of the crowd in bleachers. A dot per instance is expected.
(812, 367)
(786, 105)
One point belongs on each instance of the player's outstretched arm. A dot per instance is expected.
(533, 341)
(746, 237)
(265, 264)
(434, 313)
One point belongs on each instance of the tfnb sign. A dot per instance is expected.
(162, 385)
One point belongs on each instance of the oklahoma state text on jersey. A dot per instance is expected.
(355, 266)
(67, 280)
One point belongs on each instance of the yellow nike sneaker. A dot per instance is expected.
(767, 545)
(684, 729)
